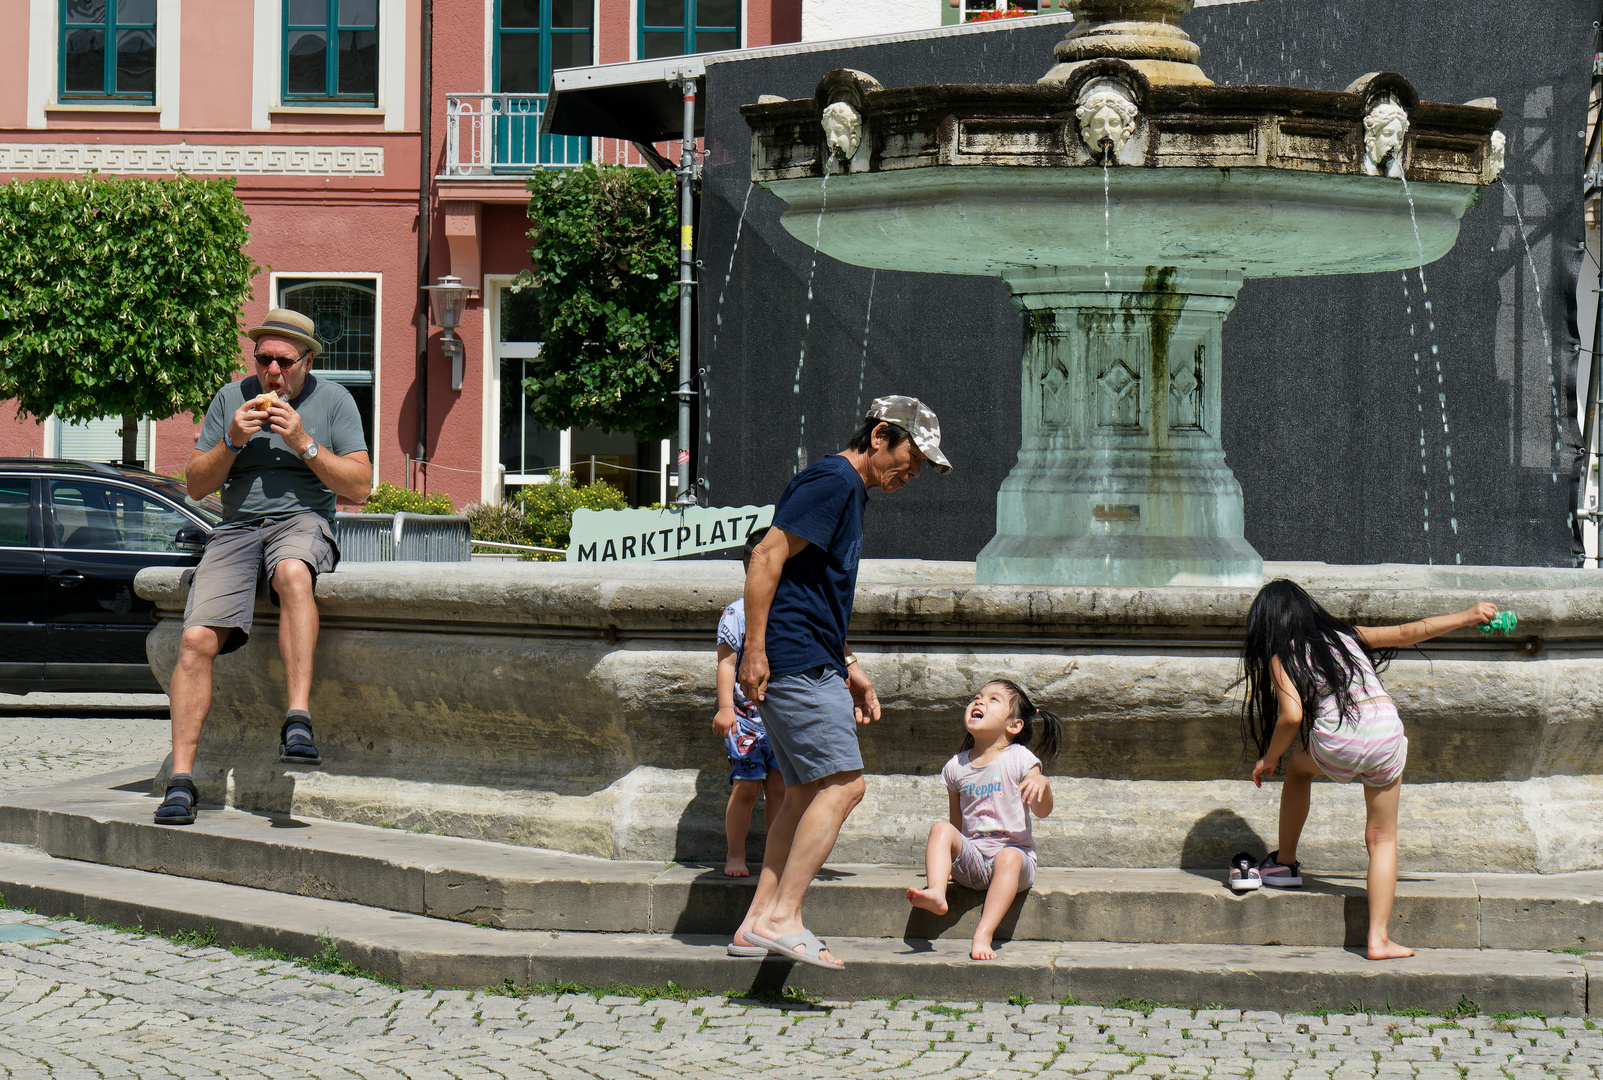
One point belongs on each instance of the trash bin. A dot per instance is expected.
(403, 537)
(433, 538)
(365, 537)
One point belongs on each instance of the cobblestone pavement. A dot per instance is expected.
(40, 750)
(104, 1003)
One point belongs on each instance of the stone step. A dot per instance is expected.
(107, 820)
(414, 950)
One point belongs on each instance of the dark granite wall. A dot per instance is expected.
(1323, 407)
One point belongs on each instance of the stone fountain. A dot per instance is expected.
(1124, 199)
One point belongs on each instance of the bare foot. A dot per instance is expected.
(928, 899)
(1386, 949)
(980, 949)
(735, 866)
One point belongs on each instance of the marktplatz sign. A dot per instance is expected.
(633, 535)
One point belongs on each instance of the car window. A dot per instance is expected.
(14, 503)
(210, 508)
(107, 518)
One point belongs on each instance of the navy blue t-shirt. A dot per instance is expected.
(823, 504)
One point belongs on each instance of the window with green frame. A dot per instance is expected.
(535, 37)
(681, 27)
(331, 52)
(108, 51)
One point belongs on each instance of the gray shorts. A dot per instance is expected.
(810, 725)
(240, 558)
(975, 865)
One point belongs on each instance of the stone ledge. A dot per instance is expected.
(413, 950)
(102, 822)
(916, 598)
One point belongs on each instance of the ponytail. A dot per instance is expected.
(1051, 736)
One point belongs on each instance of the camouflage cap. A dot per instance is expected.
(918, 419)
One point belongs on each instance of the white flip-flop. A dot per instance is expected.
(786, 946)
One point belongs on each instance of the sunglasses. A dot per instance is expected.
(265, 361)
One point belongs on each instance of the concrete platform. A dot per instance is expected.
(107, 821)
(414, 950)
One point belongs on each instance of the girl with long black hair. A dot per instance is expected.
(1312, 678)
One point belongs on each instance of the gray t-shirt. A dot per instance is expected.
(268, 479)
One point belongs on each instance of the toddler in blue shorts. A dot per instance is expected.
(752, 768)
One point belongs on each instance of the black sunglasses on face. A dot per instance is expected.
(263, 360)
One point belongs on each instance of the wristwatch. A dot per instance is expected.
(310, 452)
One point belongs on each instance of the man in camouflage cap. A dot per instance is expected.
(797, 666)
(918, 420)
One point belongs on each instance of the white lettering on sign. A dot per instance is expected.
(633, 535)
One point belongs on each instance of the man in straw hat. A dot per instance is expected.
(796, 664)
(280, 444)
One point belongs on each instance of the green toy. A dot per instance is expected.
(1503, 621)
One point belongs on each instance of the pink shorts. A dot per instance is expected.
(1373, 752)
(974, 864)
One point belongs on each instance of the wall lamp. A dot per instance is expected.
(448, 298)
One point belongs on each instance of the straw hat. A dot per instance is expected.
(284, 323)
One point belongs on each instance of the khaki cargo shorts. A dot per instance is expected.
(240, 561)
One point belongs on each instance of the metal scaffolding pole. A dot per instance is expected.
(687, 250)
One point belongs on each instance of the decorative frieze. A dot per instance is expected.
(213, 159)
(1108, 113)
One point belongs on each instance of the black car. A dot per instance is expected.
(72, 536)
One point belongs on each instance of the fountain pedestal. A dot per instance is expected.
(1121, 479)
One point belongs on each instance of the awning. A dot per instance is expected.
(637, 100)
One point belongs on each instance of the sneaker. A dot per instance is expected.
(1278, 874)
(1244, 876)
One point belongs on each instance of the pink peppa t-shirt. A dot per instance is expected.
(994, 816)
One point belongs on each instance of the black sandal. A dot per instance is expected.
(297, 749)
(175, 811)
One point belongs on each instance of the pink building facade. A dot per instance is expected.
(315, 107)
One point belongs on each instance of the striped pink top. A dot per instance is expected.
(1370, 742)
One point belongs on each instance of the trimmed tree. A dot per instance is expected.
(605, 255)
(120, 296)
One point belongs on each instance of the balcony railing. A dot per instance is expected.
(499, 135)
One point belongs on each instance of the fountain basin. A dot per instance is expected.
(570, 707)
(1258, 222)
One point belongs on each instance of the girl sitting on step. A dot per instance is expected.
(995, 782)
(1311, 676)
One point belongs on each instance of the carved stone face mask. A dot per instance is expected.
(1384, 130)
(1106, 117)
(843, 129)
